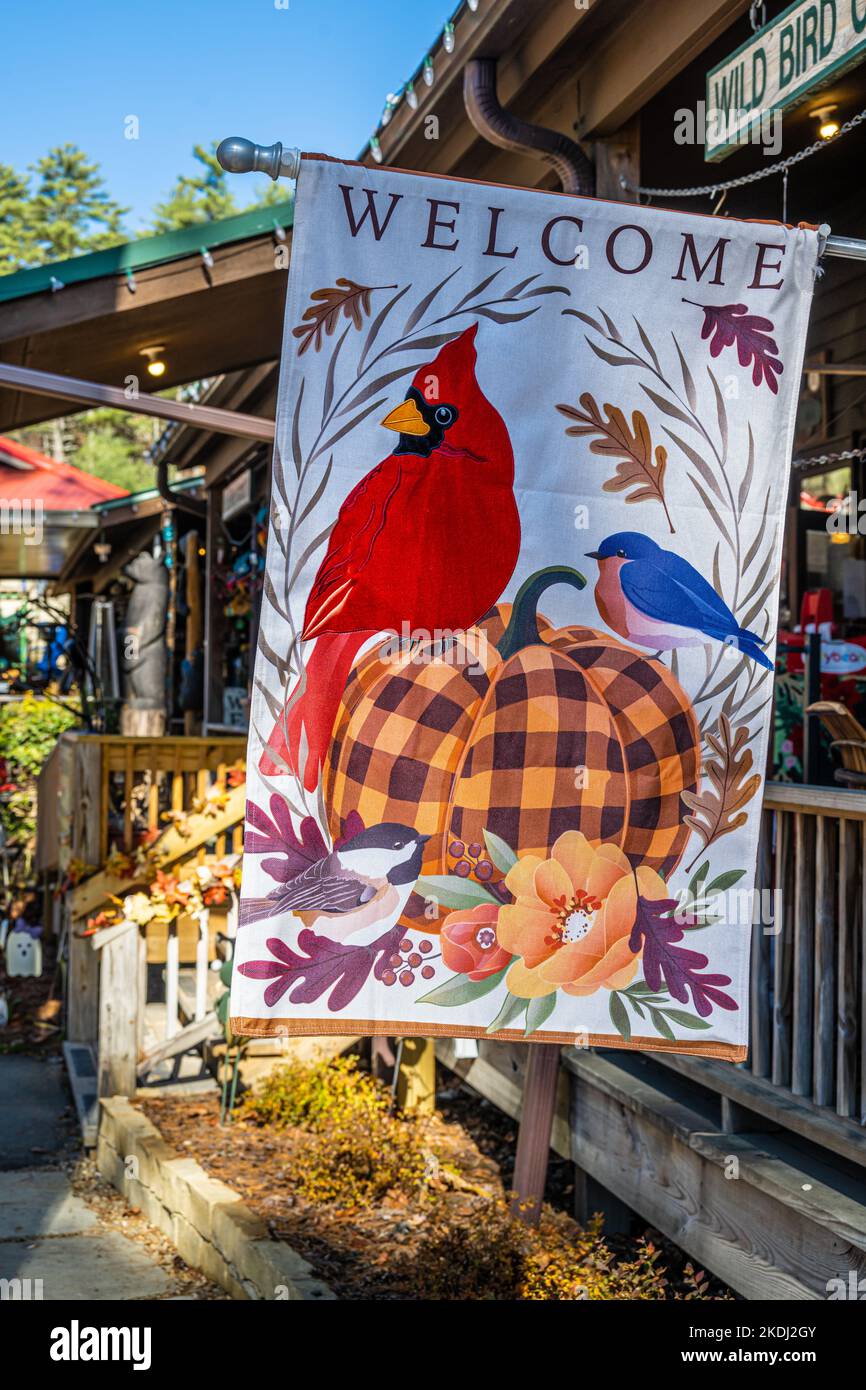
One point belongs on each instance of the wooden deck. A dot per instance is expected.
(770, 1214)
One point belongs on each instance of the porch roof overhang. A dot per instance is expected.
(555, 59)
(211, 295)
(41, 548)
(128, 524)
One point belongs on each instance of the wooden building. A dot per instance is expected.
(655, 1134)
(757, 1171)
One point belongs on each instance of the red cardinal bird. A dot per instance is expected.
(429, 538)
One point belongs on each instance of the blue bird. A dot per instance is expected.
(657, 599)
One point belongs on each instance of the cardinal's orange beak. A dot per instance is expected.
(406, 418)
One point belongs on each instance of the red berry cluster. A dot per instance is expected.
(470, 859)
(404, 962)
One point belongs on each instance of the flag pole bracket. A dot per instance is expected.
(238, 155)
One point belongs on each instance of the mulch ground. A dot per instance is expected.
(368, 1253)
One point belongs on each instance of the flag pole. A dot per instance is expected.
(237, 155)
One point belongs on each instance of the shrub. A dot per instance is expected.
(311, 1097)
(29, 729)
(498, 1257)
(357, 1162)
(350, 1150)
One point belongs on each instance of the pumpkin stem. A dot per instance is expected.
(522, 630)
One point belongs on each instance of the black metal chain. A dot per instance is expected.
(781, 166)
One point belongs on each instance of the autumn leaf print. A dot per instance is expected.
(638, 467)
(727, 325)
(322, 316)
(657, 933)
(718, 809)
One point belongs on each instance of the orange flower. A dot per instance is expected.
(469, 944)
(572, 918)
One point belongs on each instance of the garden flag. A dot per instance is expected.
(514, 671)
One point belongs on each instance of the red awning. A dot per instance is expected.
(26, 475)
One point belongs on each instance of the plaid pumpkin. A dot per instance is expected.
(573, 731)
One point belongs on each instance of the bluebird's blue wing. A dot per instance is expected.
(673, 591)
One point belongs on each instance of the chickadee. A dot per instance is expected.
(355, 891)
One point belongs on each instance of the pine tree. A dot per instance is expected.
(16, 236)
(70, 210)
(201, 197)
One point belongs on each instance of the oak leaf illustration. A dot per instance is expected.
(316, 966)
(638, 467)
(322, 316)
(657, 934)
(719, 808)
(729, 325)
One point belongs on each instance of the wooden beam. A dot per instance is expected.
(536, 1125)
(776, 1104)
(640, 56)
(193, 1035)
(778, 1232)
(94, 393)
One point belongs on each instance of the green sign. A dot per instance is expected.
(804, 48)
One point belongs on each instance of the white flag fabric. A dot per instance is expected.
(514, 674)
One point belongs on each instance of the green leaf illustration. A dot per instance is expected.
(459, 990)
(687, 1020)
(511, 1009)
(502, 855)
(538, 1012)
(619, 1016)
(451, 891)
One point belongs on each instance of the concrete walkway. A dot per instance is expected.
(51, 1238)
(48, 1235)
(34, 1102)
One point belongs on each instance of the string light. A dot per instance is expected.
(448, 37)
(411, 96)
(390, 104)
(473, 5)
(429, 74)
(376, 149)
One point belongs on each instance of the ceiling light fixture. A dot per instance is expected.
(155, 362)
(828, 126)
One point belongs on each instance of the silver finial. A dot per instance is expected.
(239, 156)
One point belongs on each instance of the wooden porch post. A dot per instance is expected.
(82, 986)
(119, 996)
(536, 1125)
(416, 1076)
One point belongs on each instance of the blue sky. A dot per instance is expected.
(314, 75)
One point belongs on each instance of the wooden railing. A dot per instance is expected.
(107, 972)
(806, 1070)
(809, 971)
(104, 792)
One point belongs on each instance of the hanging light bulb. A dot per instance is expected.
(155, 360)
(376, 149)
(390, 103)
(473, 5)
(448, 37)
(429, 74)
(411, 96)
(828, 125)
